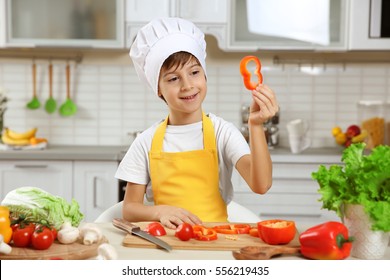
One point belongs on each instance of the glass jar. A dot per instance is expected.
(371, 114)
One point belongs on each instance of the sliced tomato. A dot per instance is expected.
(233, 228)
(156, 229)
(204, 234)
(184, 232)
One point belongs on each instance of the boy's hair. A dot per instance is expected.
(178, 59)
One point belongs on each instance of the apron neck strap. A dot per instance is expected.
(208, 134)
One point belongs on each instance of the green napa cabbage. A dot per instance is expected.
(37, 205)
(363, 179)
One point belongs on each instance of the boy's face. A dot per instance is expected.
(183, 88)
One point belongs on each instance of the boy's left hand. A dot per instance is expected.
(264, 105)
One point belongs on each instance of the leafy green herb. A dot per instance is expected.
(363, 179)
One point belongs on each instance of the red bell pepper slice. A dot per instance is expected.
(204, 234)
(233, 228)
(246, 74)
(254, 232)
(327, 241)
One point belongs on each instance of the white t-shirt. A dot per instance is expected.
(231, 146)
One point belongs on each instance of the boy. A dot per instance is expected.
(184, 163)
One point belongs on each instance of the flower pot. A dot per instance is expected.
(368, 244)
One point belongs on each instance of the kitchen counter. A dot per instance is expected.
(115, 237)
(59, 152)
(116, 153)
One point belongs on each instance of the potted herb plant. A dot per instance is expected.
(359, 191)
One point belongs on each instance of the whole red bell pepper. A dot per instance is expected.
(327, 241)
(246, 74)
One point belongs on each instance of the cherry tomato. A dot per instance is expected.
(42, 238)
(22, 235)
(184, 232)
(155, 229)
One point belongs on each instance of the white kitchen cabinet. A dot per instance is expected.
(2, 23)
(57, 23)
(293, 195)
(95, 187)
(241, 39)
(53, 176)
(209, 15)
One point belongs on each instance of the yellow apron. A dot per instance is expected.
(189, 179)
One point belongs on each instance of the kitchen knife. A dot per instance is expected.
(136, 230)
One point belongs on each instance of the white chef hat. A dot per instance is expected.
(160, 38)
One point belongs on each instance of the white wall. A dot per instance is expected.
(111, 101)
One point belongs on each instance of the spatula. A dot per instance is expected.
(34, 103)
(68, 108)
(51, 104)
(263, 252)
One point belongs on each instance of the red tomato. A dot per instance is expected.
(155, 229)
(184, 232)
(42, 238)
(22, 235)
(54, 232)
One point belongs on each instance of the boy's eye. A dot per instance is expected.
(172, 79)
(195, 72)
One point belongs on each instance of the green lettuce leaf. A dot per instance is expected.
(361, 179)
(37, 205)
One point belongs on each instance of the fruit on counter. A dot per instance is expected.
(156, 229)
(5, 224)
(353, 134)
(327, 241)
(24, 135)
(13, 138)
(276, 231)
(37, 205)
(352, 131)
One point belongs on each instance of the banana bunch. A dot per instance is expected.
(13, 138)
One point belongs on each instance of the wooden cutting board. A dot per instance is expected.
(223, 243)
(74, 251)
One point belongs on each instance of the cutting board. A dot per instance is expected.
(223, 243)
(74, 251)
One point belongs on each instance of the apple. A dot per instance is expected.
(352, 131)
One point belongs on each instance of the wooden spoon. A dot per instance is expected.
(263, 252)
(34, 103)
(51, 104)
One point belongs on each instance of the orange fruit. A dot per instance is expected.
(341, 138)
(336, 130)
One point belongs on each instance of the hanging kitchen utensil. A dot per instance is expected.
(51, 104)
(68, 108)
(34, 103)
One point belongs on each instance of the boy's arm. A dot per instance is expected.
(256, 168)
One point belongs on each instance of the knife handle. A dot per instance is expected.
(124, 225)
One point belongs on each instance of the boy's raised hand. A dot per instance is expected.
(264, 105)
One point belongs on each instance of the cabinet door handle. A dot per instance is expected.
(95, 178)
(31, 166)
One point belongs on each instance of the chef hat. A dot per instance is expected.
(159, 39)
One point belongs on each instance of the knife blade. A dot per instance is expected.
(136, 230)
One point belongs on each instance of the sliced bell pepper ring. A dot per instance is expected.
(233, 228)
(254, 232)
(204, 234)
(246, 74)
